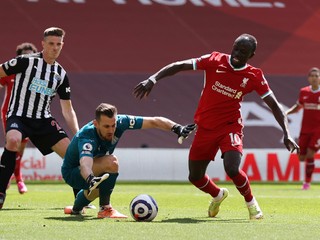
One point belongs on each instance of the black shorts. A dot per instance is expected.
(43, 133)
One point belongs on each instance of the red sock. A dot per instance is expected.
(206, 185)
(17, 169)
(309, 169)
(242, 184)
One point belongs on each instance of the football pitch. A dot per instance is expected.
(289, 213)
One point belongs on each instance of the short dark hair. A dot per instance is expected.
(54, 31)
(25, 47)
(106, 109)
(251, 39)
(314, 69)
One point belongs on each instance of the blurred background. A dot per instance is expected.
(110, 46)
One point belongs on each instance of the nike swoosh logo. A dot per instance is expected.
(219, 71)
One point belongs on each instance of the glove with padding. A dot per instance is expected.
(95, 181)
(183, 132)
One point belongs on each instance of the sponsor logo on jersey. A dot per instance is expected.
(238, 95)
(224, 90)
(40, 86)
(132, 121)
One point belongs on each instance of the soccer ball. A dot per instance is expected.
(143, 208)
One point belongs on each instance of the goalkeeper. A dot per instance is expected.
(89, 163)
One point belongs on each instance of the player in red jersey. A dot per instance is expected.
(7, 82)
(227, 79)
(309, 139)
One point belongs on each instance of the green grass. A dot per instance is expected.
(289, 214)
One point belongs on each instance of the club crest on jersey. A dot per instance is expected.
(244, 82)
(57, 77)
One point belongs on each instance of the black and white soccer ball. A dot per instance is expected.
(143, 208)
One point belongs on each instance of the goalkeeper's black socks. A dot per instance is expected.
(106, 188)
(75, 192)
(80, 202)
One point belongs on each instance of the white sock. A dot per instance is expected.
(220, 195)
(252, 202)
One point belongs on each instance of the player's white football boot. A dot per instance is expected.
(255, 212)
(214, 206)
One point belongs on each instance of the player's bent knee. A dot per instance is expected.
(13, 143)
(113, 166)
(108, 163)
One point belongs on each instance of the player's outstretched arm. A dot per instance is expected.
(295, 108)
(281, 118)
(168, 125)
(144, 88)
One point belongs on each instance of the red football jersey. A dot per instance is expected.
(8, 83)
(310, 101)
(224, 89)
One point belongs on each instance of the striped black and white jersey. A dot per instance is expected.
(36, 84)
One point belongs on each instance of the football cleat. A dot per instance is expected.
(214, 206)
(90, 206)
(305, 186)
(255, 212)
(69, 210)
(110, 213)
(22, 188)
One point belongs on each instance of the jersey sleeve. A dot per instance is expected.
(300, 100)
(16, 65)
(4, 80)
(262, 87)
(64, 90)
(205, 61)
(86, 147)
(129, 122)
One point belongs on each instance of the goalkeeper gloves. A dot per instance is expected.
(183, 132)
(95, 181)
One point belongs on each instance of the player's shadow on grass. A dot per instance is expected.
(70, 218)
(202, 220)
(18, 209)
